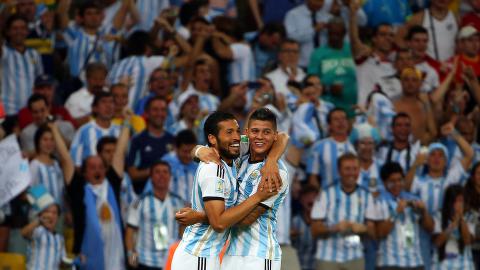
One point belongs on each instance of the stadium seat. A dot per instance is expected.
(12, 261)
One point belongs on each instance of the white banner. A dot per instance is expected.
(14, 170)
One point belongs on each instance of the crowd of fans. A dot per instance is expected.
(379, 97)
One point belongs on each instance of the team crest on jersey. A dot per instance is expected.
(254, 176)
(219, 186)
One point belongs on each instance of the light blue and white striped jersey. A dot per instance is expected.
(157, 228)
(323, 157)
(150, 9)
(381, 109)
(431, 190)
(242, 67)
(454, 258)
(370, 179)
(18, 75)
(401, 248)
(259, 239)
(49, 176)
(334, 205)
(211, 182)
(138, 70)
(84, 143)
(46, 250)
(388, 153)
(182, 176)
(80, 45)
(305, 126)
(304, 243)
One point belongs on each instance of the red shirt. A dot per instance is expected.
(467, 61)
(25, 116)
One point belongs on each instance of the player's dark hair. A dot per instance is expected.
(398, 116)
(345, 157)
(160, 163)
(95, 67)
(390, 168)
(151, 100)
(185, 137)
(211, 124)
(99, 96)
(88, 5)
(137, 43)
(38, 136)
(416, 29)
(105, 141)
(331, 112)
(263, 114)
(34, 98)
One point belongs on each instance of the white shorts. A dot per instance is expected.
(249, 263)
(185, 261)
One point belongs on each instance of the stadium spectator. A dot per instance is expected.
(288, 69)
(400, 149)
(120, 101)
(306, 24)
(302, 239)
(334, 65)
(20, 65)
(38, 106)
(46, 170)
(324, 153)
(183, 168)
(79, 103)
(343, 213)
(159, 84)
(45, 85)
(472, 204)
(87, 136)
(155, 230)
(149, 145)
(401, 214)
(453, 233)
(265, 46)
(236, 102)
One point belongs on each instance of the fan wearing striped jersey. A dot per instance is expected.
(214, 193)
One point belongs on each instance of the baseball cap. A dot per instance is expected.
(466, 32)
(44, 80)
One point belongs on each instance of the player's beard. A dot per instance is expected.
(223, 151)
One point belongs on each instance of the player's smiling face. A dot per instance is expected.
(228, 139)
(261, 135)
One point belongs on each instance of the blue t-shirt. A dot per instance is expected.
(394, 12)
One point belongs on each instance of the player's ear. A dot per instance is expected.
(275, 136)
(212, 140)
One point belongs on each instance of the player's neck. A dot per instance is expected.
(366, 163)
(256, 157)
(339, 137)
(435, 174)
(155, 131)
(438, 13)
(103, 123)
(229, 161)
(400, 145)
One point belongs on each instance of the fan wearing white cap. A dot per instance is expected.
(365, 138)
(47, 247)
(468, 40)
(430, 186)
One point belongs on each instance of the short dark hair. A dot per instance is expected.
(390, 168)
(185, 137)
(332, 111)
(34, 98)
(398, 116)
(345, 157)
(197, 63)
(10, 20)
(211, 124)
(99, 96)
(38, 136)
(377, 28)
(416, 29)
(137, 43)
(272, 28)
(190, 11)
(263, 114)
(104, 141)
(88, 5)
(151, 100)
(160, 163)
(158, 69)
(94, 67)
(289, 41)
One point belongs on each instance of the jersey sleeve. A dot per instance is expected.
(271, 201)
(319, 210)
(76, 148)
(133, 216)
(239, 50)
(211, 179)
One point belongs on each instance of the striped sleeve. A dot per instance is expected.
(212, 182)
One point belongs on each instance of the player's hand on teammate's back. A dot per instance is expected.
(271, 177)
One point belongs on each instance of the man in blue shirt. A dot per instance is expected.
(150, 145)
